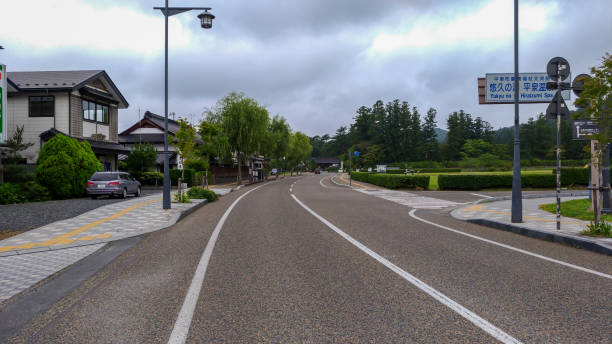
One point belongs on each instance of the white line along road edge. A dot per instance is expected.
(479, 195)
(464, 312)
(183, 321)
(594, 272)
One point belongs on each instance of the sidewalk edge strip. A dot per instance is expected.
(560, 238)
(438, 296)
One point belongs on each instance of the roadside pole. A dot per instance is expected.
(517, 197)
(558, 150)
(350, 166)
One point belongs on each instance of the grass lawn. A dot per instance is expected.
(578, 209)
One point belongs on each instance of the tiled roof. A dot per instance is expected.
(51, 79)
(173, 126)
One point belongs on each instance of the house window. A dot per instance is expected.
(42, 106)
(95, 112)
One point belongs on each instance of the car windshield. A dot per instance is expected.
(104, 176)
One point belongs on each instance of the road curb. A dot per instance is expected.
(560, 238)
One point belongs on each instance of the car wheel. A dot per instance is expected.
(137, 194)
(124, 193)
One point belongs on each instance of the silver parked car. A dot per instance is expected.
(112, 183)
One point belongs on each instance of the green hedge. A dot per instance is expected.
(392, 181)
(201, 193)
(17, 174)
(574, 176)
(484, 181)
(175, 174)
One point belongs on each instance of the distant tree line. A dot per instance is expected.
(396, 132)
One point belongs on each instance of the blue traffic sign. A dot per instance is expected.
(356, 153)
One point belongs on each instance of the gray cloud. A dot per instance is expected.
(309, 61)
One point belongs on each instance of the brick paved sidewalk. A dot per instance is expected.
(30, 257)
(535, 220)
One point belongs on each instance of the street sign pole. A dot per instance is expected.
(350, 167)
(605, 174)
(517, 197)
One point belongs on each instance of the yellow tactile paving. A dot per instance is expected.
(67, 238)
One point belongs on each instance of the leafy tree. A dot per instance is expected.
(596, 102)
(299, 149)
(244, 122)
(141, 159)
(15, 145)
(476, 148)
(215, 143)
(373, 156)
(64, 165)
(279, 134)
(184, 143)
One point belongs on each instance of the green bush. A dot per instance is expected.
(574, 176)
(141, 159)
(202, 193)
(64, 165)
(392, 181)
(332, 169)
(175, 174)
(151, 178)
(11, 193)
(17, 174)
(35, 192)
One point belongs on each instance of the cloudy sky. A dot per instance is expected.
(312, 61)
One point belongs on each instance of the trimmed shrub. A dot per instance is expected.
(11, 193)
(17, 174)
(474, 181)
(484, 181)
(573, 176)
(34, 192)
(175, 174)
(392, 181)
(64, 165)
(151, 178)
(202, 193)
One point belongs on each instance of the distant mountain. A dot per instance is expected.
(441, 135)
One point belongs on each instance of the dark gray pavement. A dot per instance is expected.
(278, 274)
(27, 216)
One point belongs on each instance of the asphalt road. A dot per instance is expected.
(313, 262)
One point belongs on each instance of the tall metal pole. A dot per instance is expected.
(558, 148)
(166, 195)
(606, 180)
(517, 198)
(350, 166)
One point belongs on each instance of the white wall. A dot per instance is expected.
(33, 126)
(90, 128)
(147, 131)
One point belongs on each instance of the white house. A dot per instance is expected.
(83, 104)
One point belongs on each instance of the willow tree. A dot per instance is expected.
(244, 122)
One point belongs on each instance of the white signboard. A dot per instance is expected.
(499, 87)
(3, 92)
(381, 168)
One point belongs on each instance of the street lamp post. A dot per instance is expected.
(206, 23)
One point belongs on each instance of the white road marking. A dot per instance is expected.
(183, 321)
(479, 195)
(601, 274)
(323, 185)
(445, 300)
(409, 199)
